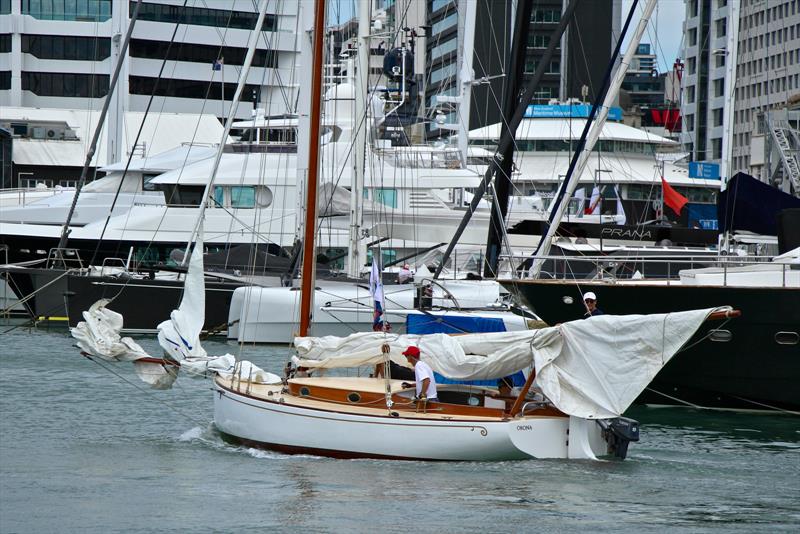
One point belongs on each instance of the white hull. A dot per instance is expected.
(285, 427)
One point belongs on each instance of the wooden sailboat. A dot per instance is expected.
(587, 373)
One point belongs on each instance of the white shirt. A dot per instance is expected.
(404, 275)
(422, 371)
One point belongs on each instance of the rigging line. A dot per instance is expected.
(676, 399)
(145, 391)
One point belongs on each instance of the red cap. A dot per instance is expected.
(411, 351)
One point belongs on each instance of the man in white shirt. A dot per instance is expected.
(426, 383)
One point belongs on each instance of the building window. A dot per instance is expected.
(201, 16)
(65, 84)
(67, 47)
(5, 7)
(5, 80)
(546, 15)
(692, 36)
(72, 10)
(717, 117)
(5, 43)
(142, 85)
(691, 65)
(196, 53)
(537, 40)
(716, 148)
(719, 86)
(690, 94)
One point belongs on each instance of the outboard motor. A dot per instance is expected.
(618, 433)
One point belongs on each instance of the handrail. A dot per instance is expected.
(608, 268)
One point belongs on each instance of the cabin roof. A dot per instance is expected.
(543, 129)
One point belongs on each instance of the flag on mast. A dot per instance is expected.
(376, 290)
(672, 198)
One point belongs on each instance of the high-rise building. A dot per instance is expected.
(576, 69)
(643, 84)
(57, 54)
(741, 71)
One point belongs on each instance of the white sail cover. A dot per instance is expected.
(593, 368)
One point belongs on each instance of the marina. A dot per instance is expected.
(462, 263)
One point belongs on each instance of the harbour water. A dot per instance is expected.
(85, 448)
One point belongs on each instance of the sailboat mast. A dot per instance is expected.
(93, 145)
(515, 67)
(307, 276)
(356, 252)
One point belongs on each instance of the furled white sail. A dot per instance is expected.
(98, 335)
(179, 335)
(591, 368)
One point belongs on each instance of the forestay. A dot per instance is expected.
(593, 368)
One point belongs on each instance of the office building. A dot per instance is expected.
(741, 73)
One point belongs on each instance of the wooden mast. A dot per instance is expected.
(307, 277)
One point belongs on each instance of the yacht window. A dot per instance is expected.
(243, 197)
(387, 197)
(263, 197)
(219, 196)
(146, 179)
(720, 335)
(787, 338)
(183, 195)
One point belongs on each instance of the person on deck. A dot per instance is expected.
(405, 275)
(590, 300)
(426, 383)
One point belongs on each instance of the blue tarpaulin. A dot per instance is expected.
(452, 324)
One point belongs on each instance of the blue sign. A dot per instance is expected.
(564, 111)
(702, 169)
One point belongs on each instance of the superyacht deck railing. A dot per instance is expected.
(665, 269)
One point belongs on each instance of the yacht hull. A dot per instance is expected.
(284, 427)
(143, 302)
(754, 367)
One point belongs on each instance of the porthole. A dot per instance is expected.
(787, 338)
(353, 397)
(305, 392)
(722, 336)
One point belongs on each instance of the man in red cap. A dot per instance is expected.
(426, 383)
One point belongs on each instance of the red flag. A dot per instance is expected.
(672, 198)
